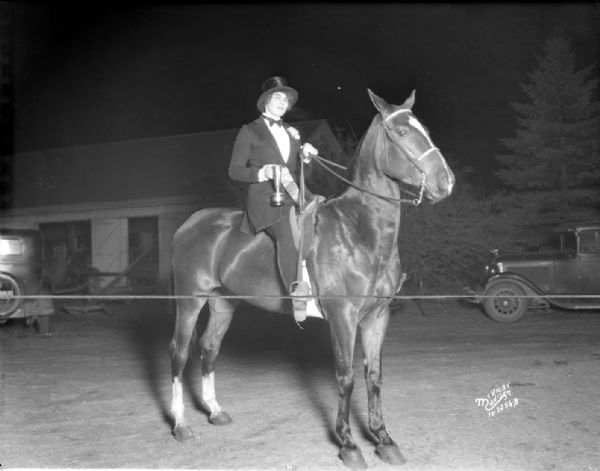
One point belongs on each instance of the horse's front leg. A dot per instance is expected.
(343, 334)
(373, 329)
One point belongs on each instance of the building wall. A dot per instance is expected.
(109, 227)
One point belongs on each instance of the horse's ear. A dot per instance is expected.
(410, 101)
(382, 106)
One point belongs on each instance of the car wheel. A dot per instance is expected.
(9, 287)
(505, 302)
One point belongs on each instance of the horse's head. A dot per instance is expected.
(408, 153)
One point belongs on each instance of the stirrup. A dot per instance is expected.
(299, 289)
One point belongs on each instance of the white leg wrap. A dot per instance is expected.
(177, 406)
(209, 396)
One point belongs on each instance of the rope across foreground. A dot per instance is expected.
(109, 297)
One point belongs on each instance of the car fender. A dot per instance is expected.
(529, 287)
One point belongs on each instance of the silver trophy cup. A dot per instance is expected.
(277, 196)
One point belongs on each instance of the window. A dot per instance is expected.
(589, 241)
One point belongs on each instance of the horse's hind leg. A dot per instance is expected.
(373, 330)
(221, 313)
(185, 326)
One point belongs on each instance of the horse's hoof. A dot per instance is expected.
(353, 458)
(220, 419)
(184, 434)
(390, 454)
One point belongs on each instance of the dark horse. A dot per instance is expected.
(353, 264)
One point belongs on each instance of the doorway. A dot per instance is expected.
(143, 252)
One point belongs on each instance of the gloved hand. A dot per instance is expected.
(307, 151)
(266, 172)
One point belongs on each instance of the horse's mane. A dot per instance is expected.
(366, 140)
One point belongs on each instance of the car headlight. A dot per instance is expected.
(494, 268)
(11, 247)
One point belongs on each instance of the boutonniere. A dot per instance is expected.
(293, 132)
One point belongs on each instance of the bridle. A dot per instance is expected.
(409, 156)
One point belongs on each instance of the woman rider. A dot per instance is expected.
(260, 146)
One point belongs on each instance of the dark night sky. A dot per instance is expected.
(108, 73)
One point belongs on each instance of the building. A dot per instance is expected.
(111, 205)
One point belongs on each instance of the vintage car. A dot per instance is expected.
(564, 273)
(22, 279)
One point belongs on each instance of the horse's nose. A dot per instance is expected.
(447, 182)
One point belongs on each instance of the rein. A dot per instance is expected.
(414, 201)
(411, 158)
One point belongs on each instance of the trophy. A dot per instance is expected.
(277, 196)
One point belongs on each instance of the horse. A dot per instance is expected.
(353, 262)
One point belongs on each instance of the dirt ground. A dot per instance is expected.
(96, 393)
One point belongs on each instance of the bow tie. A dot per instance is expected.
(274, 122)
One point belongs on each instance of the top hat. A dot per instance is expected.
(272, 85)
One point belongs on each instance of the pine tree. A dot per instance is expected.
(556, 143)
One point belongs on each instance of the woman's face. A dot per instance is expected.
(277, 104)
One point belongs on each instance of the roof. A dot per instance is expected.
(177, 165)
(577, 226)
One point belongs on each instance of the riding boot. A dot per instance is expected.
(287, 262)
(287, 258)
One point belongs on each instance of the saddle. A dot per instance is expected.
(303, 225)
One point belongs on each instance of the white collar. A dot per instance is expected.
(268, 115)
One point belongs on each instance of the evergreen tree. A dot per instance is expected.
(556, 143)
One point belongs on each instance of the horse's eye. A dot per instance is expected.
(402, 130)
